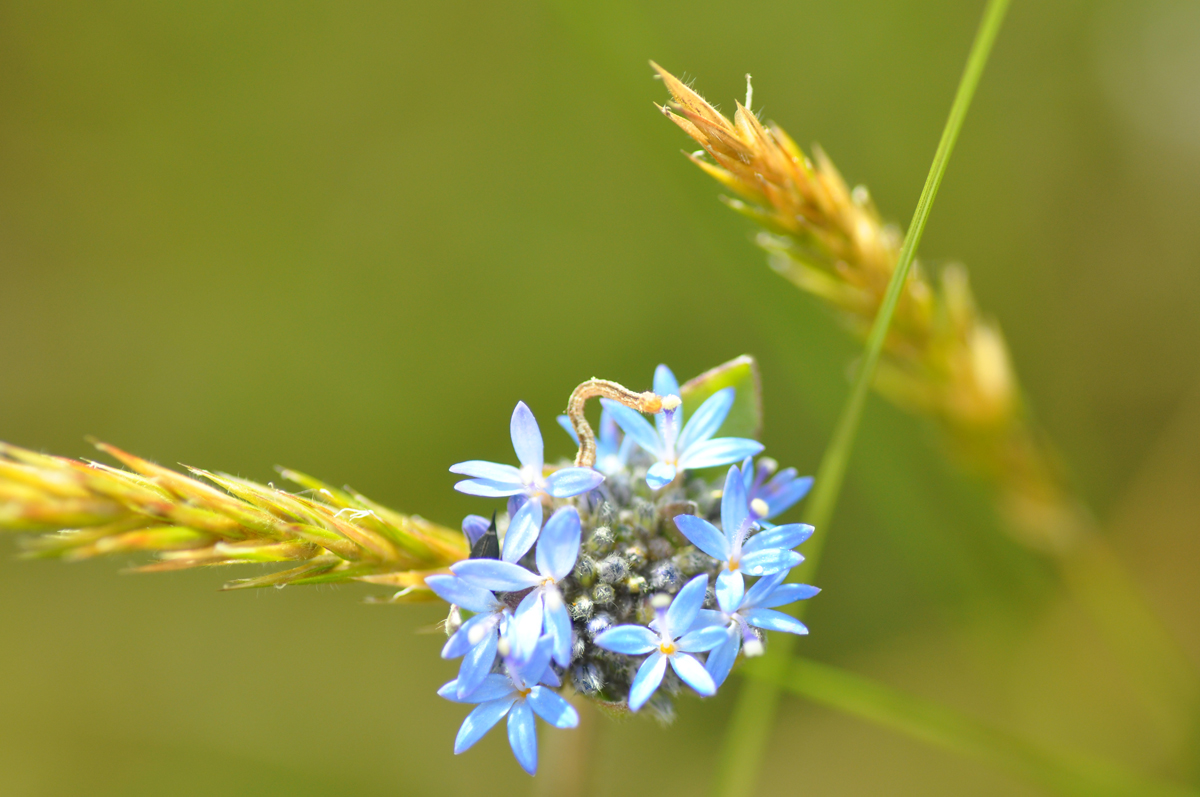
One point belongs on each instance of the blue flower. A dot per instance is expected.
(517, 694)
(612, 453)
(493, 480)
(754, 608)
(770, 498)
(677, 446)
(474, 527)
(762, 554)
(477, 639)
(543, 607)
(671, 640)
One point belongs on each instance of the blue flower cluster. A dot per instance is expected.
(636, 583)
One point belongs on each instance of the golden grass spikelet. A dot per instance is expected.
(86, 509)
(942, 357)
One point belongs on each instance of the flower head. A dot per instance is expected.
(756, 608)
(677, 446)
(518, 693)
(737, 548)
(493, 480)
(672, 639)
(766, 499)
(543, 606)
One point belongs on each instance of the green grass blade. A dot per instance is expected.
(753, 718)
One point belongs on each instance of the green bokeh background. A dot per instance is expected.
(348, 237)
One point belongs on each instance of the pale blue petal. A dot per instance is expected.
(522, 531)
(550, 678)
(721, 451)
(785, 537)
(708, 419)
(526, 629)
(648, 677)
(460, 643)
(551, 707)
(772, 620)
(558, 624)
(538, 665)
(632, 640)
(559, 546)
(665, 384)
(565, 423)
(607, 441)
(704, 536)
(692, 672)
(494, 687)
(474, 527)
(480, 721)
(682, 613)
(489, 489)
(634, 425)
(788, 593)
(495, 575)
(701, 639)
(453, 589)
(772, 560)
(568, 482)
(781, 499)
(526, 438)
(731, 588)
(734, 509)
(720, 661)
(763, 588)
(490, 471)
(522, 737)
(476, 665)
(747, 473)
(660, 475)
(709, 617)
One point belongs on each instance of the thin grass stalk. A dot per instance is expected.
(1061, 772)
(754, 715)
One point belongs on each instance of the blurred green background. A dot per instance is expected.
(348, 237)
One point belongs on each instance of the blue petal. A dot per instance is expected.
(522, 531)
(522, 736)
(608, 441)
(568, 482)
(632, 640)
(720, 661)
(660, 475)
(474, 527)
(748, 473)
(704, 536)
(788, 593)
(551, 707)
(772, 560)
(692, 672)
(488, 489)
(494, 687)
(566, 424)
(709, 617)
(634, 425)
(526, 438)
(526, 629)
(772, 620)
(721, 451)
(731, 588)
(701, 639)
(559, 546)
(480, 721)
(708, 419)
(785, 537)
(781, 499)
(734, 509)
(665, 384)
(763, 588)
(682, 613)
(538, 666)
(476, 665)
(648, 677)
(495, 575)
(491, 471)
(558, 624)
(460, 643)
(453, 589)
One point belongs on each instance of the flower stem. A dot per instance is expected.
(754, 714)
